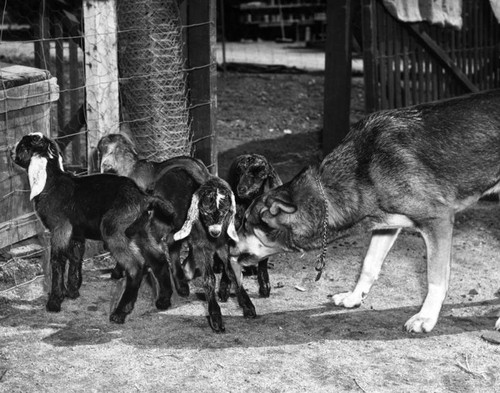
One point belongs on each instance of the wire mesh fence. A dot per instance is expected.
(53, 41)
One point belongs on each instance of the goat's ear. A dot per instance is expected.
(37, 174)
(231, 228)
(272, 181)
(192, 216)
(281, 202)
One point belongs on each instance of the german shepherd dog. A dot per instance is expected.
(411, 167)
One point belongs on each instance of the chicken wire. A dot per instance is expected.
(152, 78)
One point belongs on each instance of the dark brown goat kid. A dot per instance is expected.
(250, 176)
(73, 209)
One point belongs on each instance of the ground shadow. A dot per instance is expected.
(325, 322)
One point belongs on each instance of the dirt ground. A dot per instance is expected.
(300, 342)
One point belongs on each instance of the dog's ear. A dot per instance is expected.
(231, 228)
(37, 174)
(192, 216)
(281, 202)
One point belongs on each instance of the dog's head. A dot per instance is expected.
(286, 218)
(117, 154)
(37, 153)
(213, 204)
(252, 175)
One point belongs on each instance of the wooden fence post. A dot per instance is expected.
(337, 101)
(101, 72)
(201, 38)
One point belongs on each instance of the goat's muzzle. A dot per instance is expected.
(215, 230)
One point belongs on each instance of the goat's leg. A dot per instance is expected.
(127, 291)
(161, 272)
(58, 267)
(225, 281)
(236, 275)
(75, 257)
(263, 279)
(180, 280)
(59, 245)
(205, 258)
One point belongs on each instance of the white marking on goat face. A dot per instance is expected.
(215, 230)
(218, 198)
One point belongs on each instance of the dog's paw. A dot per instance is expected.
(347, 300)
(420, 324)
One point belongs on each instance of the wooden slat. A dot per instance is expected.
(101, 72)
(369, 55)
(201, 37)
(434, 49)
(337, 91)
(29, 95)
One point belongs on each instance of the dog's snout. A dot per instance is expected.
(107, 168)
(215, 230)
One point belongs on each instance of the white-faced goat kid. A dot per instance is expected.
(73, 209)
(211, 229)
(250, 176)
(207, 224)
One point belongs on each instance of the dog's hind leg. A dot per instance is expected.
(381, 242)
(437, 235)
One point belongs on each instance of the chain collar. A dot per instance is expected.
(320, 264)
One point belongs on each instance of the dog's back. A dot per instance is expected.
(412, 159)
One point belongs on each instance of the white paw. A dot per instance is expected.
(347, 299)
(420, 324)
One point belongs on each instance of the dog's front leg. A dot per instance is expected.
(438, 239)
(380, 244)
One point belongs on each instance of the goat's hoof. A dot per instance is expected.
(183, 290)
(265, 291)
(53, 305)
(73, 294)
(224, 294)
(117, 317)
(162, 304)
(117, 272)
(249, 312)
(216, 323)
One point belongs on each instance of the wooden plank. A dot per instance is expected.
(201, 38)
(29, 95)
(19, 228)
(101, 72)
(338, 68)
(369, 53)
(382, 52)
(434, 49)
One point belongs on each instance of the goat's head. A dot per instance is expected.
(213, 204)
(117, 154)
(252, 175)
(35, 152)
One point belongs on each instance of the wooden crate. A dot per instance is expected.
(26, 95)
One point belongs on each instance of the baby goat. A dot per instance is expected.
(117, 154)
(97, 207)
(250, 176)
(206, 221)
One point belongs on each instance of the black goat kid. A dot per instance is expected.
(250, 176)
(73, 209)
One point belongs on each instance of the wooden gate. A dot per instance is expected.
(410, 63)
